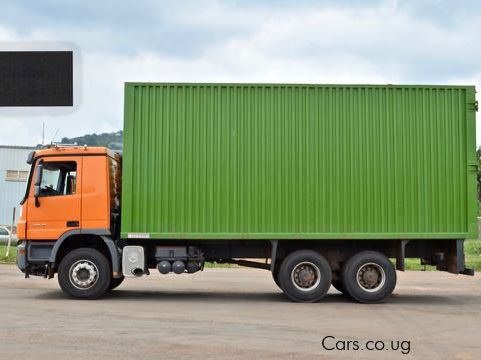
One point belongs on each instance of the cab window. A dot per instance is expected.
(58, 178)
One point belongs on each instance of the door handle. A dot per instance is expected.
(72, 223)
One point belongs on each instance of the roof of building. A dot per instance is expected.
(17, 147)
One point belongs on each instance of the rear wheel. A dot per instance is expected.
(84, 273)
(338, 282)
(369, 277)
(338, 285)
(305, 276)
(275, 276)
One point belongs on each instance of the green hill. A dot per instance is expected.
(111, 140)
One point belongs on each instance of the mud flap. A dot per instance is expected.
(400, 255)
(455, 259)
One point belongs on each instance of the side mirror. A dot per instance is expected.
(38, 181)
(30, 158)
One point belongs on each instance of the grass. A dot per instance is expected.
(415, 265)
(472, 249)
(472, 252)
(210, 264)
(11, 256)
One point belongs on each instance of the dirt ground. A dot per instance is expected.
(238, 314)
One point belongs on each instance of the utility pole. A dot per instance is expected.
(11, 233)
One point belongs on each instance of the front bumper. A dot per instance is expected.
(22, 256)
(33, 257)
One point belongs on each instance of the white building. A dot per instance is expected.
(13, 179)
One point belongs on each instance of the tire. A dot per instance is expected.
(339, 286)
(338, 282)
(311, 266)
(378, 281)
(115, 282)
(275, 276)
(84, 274)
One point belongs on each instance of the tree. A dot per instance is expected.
(111, 140)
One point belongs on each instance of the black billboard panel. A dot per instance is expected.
(36, 78)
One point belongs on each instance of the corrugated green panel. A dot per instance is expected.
(298, 161)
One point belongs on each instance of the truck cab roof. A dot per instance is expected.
(66, 150)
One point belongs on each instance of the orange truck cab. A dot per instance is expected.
(73, 193)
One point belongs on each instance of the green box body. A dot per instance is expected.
(284, 161)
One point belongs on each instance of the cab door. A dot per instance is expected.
(58, 206)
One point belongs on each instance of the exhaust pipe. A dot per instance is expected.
(137, 272)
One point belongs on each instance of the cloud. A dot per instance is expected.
(233, 41)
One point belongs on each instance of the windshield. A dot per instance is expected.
(30, 174)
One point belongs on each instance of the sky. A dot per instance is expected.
(370, 41)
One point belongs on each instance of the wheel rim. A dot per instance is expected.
(83, 274)
(306, 276)
(371, 277)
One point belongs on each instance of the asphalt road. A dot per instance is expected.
(237, 314)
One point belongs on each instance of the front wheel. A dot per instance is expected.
(84, 274)
(115, 282)
(305, 276)
(369, 277)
